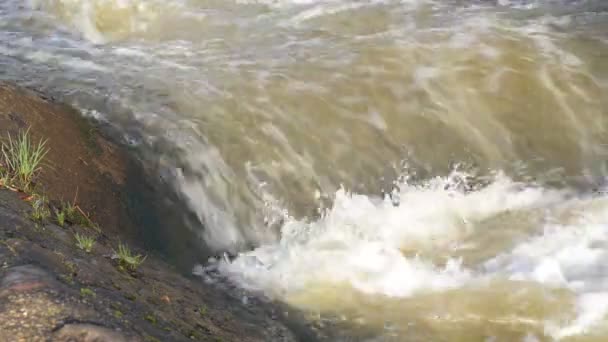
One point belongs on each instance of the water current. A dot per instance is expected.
(414, 170)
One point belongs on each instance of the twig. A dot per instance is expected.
(90, 222)
(75, 196)
(83, 214)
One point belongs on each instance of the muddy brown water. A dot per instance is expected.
(280, 125)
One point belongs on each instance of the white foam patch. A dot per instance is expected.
(360, 240)
(70, 62)
(96, 19)
(571, 256)
(323, 10)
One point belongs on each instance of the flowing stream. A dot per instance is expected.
(399, 170)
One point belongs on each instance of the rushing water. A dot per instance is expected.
(410, 170)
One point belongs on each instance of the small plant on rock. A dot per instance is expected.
(21, 159)
(4, 177)
(126, 258)
(60, 217)
(84, 242)
(118, 314)
(151, 318)
(70, 211)
(75, 215)
(87, 292)
(40, 208)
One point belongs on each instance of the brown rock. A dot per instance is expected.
(25, 278)
(87, 333)
(49, 287)
(82, 163)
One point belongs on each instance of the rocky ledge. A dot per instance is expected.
(52, 288)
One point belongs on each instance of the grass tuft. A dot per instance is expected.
(87, 292)
(127, 259)
(40, 208)
(60, 217)
(22, 159)
(70, 211)
(84, 242)
(4, 176)
(75, 215)
(151, 318)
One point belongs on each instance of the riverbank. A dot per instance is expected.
(54, 286)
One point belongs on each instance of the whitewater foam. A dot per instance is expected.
(362, 239)
(379, 247)
(103, 21)
(569, 255)
(296, 96)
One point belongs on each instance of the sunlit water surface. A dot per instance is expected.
(407, 170)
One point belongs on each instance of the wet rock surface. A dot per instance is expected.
(88, 163)
(81, 164)
(88, 333)
(51, 290)
(34, 305)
